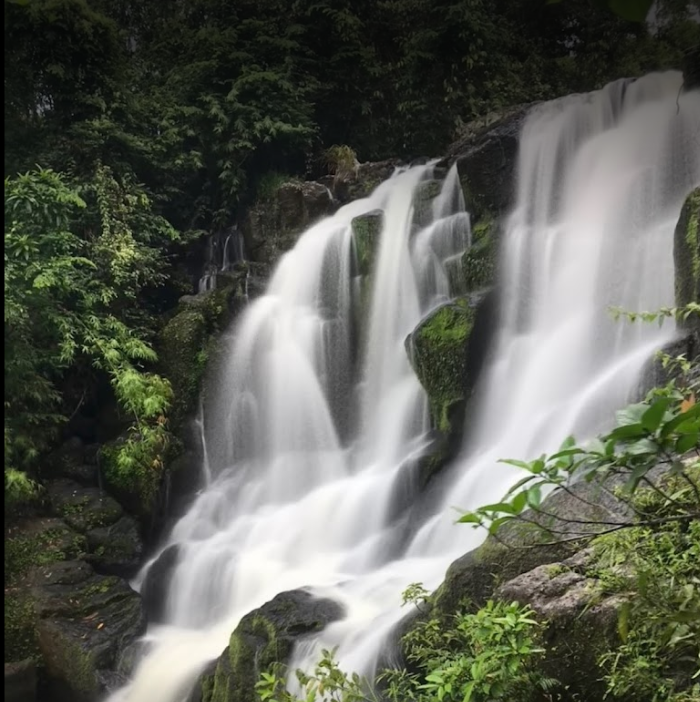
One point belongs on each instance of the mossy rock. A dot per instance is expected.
(366, 230)
(30, 544)
(82, 508)
(85, 622)
(479, 260)
(115, 549)
(265, 637)
(686, 255)
(274, 223)
(437, 351)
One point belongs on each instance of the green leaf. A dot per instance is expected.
(652, 418)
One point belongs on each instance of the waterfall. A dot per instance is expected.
(292, 501)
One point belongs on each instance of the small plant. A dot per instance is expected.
(483, 656)
(340, 160)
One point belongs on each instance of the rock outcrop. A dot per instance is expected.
(686, 255)
(264, 637)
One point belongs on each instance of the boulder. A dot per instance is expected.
(366, 230)
(423, 197)
(486, 159)
(437, 350)
(264, 637)
(686, 256)
(480, 259)
(85, 622)
(82, 508)
(273, 224)
(361, 181)
(28, 544)
(582, 622)
(154, 590)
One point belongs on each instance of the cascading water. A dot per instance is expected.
(292, 501)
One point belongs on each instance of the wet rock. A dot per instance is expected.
(85, 621)
(154, 589)
(366, 230)
(437, 350)
(486, 159)
(21, 681)
(363, 180)
(263, 637)
(423, 198)
(686, 256)
(115, 549)
(274, 223)
(480, 259)
(82, 508)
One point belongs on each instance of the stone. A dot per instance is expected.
(85, 622)
(366, 230)
(273, 224)
(264, 637)
(437, 350)
(154, 589)
(82, 508)
(686, 256)
(486, 159)
(115, 549)
(480, 259)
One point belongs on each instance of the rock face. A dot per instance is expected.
(85, 623)
(366, 230)
(264, 637)
(479, 261)
(486, 160)
(79, 624)
(273, 224)
(581, 620)
(686, 255)
(154, 590)
(113, 541)
(437, 349)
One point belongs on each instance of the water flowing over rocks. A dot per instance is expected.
(476, 296)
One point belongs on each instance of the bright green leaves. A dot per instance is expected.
(65, 308)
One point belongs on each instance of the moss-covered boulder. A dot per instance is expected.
(264, 637)
(581, 619)
(273, 224)
(184, 344)
(366, 230)
(437, 349)
(29, 544)
(479, 260)
(686, 255)
(85, 623)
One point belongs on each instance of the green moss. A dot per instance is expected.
(687, 251)
(438, 355)
(479, 260)
(366, 230)
(20, 641)
(37, 544)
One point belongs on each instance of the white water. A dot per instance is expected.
(297, 495)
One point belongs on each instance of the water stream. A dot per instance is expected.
(309, 431)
